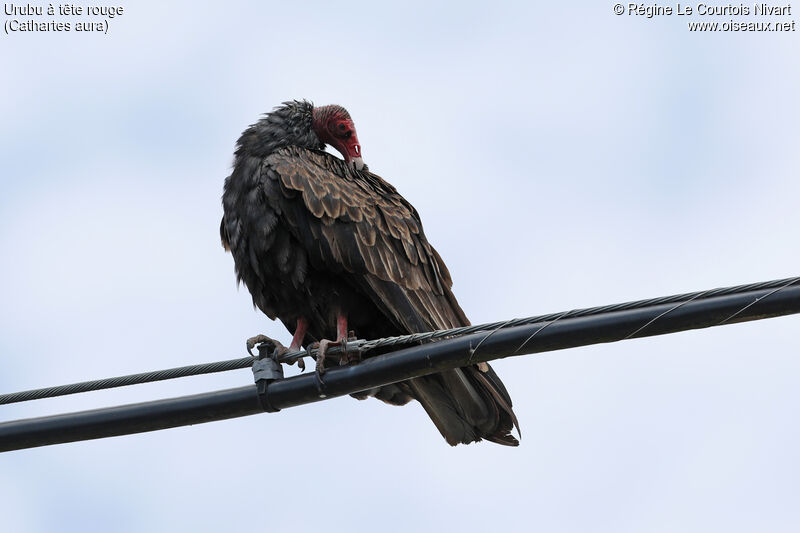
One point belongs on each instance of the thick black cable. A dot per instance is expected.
(407, 363)
(364, 346)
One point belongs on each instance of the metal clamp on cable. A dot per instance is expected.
(265, 371)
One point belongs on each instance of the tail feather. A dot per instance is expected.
(442, 409)
(468, 405)
(495, 387)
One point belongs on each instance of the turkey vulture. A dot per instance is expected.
(324, 245)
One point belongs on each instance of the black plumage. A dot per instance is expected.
(317, 239)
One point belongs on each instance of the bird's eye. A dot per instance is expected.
(342, 126)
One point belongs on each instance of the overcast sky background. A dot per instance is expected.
(560, 157)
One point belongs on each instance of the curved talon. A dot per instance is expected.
(301, 364)
(261, 339)
(278, 350)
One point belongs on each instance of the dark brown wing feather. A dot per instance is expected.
(363, 229)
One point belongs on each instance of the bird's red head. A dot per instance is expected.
(333, 125)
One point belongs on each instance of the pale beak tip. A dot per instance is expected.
(358, 163)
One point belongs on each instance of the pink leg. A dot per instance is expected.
(341, 340)
(341, 327)
(299, 335)
(342, 337)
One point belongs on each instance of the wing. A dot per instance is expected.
(356, 225)
(361, 227)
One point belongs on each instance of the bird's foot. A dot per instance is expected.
(322, 348)
(349, 355)
(258, 340)
(276, 349)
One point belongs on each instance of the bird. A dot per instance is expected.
(331, 249)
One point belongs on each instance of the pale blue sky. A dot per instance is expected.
(560, 156)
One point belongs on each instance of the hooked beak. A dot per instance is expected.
(352, 153)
